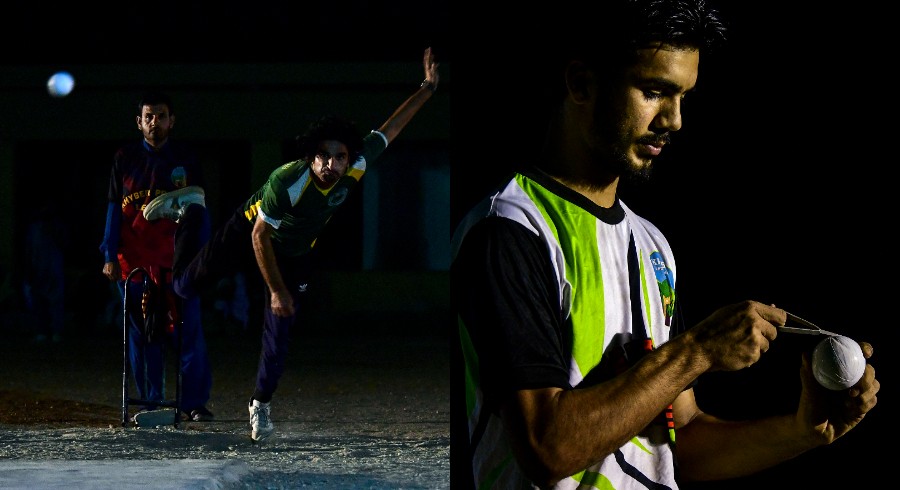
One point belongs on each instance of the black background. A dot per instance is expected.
(188, 31)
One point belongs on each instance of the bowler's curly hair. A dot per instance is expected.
(330, 128)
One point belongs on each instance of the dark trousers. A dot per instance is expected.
(202, 258)
(147, 358)
(278, 330)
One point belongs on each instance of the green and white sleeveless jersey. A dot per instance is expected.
(297, 208)
(610, 278)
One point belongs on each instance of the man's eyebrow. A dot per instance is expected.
(664, 83)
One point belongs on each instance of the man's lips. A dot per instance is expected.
(653, 149)
(653, 146)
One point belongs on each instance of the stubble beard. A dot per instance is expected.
(157, 137)
(636, 172)
(617, 160)
(323, 179)
(614, 157)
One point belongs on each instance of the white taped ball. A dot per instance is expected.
(838, 362)
(60, 84)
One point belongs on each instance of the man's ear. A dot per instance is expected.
(579, 81)
(171, 120)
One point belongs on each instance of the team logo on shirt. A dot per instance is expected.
(666, 284)
(336, 197)
(179, 177)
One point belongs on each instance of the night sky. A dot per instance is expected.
(170, 31)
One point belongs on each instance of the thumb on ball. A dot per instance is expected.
(867, 349)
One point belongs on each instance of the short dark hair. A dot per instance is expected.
(621, 27)
(155, 97)
(330, 127)
(609, 33)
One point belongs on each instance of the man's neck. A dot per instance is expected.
(601, 195)
(575, 171)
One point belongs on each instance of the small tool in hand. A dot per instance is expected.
(807, 327)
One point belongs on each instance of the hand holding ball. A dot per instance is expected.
(60, 84)
(838, 362)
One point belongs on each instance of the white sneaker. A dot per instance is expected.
(171, 204)
(260, 422)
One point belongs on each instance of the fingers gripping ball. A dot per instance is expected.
(838, 362)
(60, 84)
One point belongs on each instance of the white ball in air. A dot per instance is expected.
(838, 362)
(60, 84)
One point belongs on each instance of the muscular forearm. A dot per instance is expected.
(403, 114)
(556, 433)
(711, 449)
(265, 259)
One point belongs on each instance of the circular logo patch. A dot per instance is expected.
(337, 197)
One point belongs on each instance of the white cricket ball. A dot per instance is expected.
(60, 84)
(838, 362)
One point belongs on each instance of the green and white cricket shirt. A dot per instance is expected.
(552, 290)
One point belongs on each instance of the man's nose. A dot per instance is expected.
(669, 116)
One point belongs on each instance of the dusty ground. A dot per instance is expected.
(356, 408)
